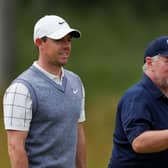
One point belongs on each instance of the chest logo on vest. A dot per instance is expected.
(75, 91)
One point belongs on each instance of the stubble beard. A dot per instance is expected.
(163, 83)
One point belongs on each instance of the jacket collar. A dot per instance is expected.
(151, 86)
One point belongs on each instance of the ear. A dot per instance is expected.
(148, 60)
(38, 42)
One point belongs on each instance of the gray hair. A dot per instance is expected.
(144, 67)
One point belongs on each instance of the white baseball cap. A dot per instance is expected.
(53, 27)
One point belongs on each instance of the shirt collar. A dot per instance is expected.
(50, 75)
(151, 87)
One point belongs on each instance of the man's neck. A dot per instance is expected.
(55, 70)
(162, 88)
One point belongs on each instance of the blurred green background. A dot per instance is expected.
(108, 57)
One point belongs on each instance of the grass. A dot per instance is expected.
(99, 129)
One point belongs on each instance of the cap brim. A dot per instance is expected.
(165, 54)
(63, 32)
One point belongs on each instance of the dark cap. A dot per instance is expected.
(159, 46)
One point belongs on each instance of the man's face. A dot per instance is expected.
(56, 52)
(160, 71)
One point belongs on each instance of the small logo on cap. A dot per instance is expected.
(61, 22)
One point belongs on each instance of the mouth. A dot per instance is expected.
(64, 54)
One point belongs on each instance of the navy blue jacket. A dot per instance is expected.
(143, 107)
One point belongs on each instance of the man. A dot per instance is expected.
(44, 106)
(141, 131)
